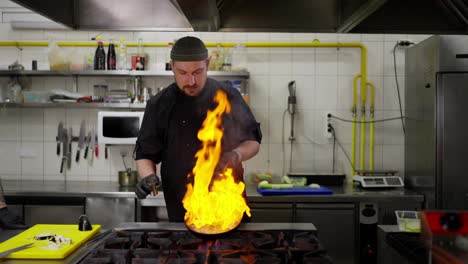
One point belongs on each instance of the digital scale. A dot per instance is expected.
(380, 179)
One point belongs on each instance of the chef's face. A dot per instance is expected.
(190, 76)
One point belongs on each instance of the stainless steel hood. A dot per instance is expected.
(353, 16)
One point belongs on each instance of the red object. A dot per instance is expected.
(440, 231)
(85, 99)
(96, 150)
(139, 62)
(446, 222)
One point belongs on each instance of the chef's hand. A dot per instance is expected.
(230, 159)
(145, 186)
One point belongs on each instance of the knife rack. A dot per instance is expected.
(76, 139)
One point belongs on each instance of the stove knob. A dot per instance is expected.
(451, 222)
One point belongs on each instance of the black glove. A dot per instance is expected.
(145, 186)
(231, 159)
(9, 220)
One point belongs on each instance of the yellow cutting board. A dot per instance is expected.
(40, 250)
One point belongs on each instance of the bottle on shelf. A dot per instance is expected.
(111, 58)
(122, 55)
(227, 59)
(168, 56)
(216, 59)
(100, 56)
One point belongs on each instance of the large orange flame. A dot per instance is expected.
(220, 207)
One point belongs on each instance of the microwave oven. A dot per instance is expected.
(116, 128)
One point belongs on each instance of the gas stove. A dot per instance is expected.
(139, 243)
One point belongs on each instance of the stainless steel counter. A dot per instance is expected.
(66, 189)
(346, 193)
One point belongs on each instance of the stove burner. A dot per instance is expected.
(183, 247)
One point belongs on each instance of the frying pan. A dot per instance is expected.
(213, 235)
(205, 235)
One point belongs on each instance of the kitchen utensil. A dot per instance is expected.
(40, 249)
(212, 235)
(64, 148)
(8, 252)
(59, 137)
(92, 143)
(69, 151)
(81, 140)
(96, 145)
(87, 145)
(127, 178)
(295, 190)
(16, 66)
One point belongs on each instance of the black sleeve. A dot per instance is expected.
(149, 144)
(244, 126)
(249, 127)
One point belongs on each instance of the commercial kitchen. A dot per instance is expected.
(360, 103)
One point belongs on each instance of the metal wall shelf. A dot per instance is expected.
(102, 73)
(240, 74)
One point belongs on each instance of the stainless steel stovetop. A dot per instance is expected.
(173, 243)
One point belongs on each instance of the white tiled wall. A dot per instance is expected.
(324, 84)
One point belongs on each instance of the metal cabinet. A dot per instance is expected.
(109, 212)
(52, 210)
(271, 212)
(335, 224)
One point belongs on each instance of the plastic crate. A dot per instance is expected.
(408, 221)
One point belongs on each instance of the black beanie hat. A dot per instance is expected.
(189, 49)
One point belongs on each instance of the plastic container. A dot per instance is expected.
(77, 60)
(408, 221)
(36, 96)
(239, 58)
(58, 59)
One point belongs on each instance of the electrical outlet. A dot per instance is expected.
(328, 131)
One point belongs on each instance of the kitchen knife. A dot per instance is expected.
(64, 149)
(81, 140)
(8, 252)
(87, 145)
(59, 137)
(96, 145)
(93, 142)
(69, 152)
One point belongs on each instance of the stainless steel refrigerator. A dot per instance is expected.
(436, 118)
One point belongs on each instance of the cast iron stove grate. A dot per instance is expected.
(269, 247)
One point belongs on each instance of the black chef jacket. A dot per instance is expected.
(169, 130)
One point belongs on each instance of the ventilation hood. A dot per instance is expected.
(342, 16)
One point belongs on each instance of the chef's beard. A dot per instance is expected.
(191, 90)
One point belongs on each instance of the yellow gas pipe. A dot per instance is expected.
(371, 126)
(363, 128)
(313, 44)
(354, 113)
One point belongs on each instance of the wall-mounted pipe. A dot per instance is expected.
(371, 126)
(354, 128)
